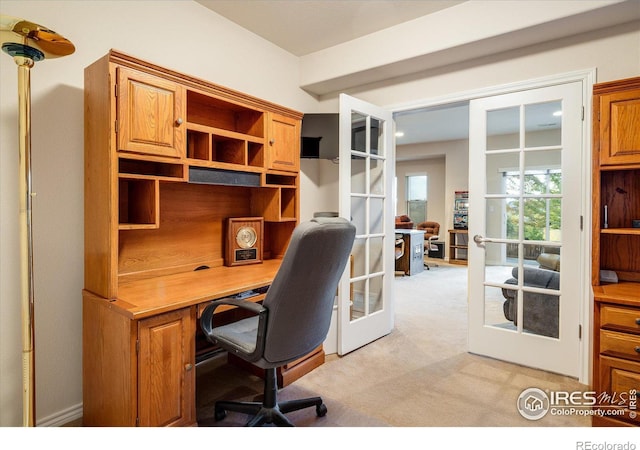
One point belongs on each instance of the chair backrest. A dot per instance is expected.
(301, 297)
(399, 246)
(430, 228)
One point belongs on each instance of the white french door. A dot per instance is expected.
(365, 305)
(525, 227)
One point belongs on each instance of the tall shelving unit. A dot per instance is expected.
(616, 249)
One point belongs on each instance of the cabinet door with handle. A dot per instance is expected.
(284, 143)
(150, 114)
(619, 132)
(166, 369)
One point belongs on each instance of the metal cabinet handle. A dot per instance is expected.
(272, 141)
(188, 367)
(638, 321)
(637, 349)
(179, 121)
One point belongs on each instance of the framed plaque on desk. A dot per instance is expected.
(244, 240)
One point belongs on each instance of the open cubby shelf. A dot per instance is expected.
(274, 204)
(209, 144)
(216, 113)
(280, 180)
(138, 206)
(164, 170)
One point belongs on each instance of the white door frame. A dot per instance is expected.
(587, 77)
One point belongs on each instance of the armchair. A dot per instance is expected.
(404, 222)
(541, 311)
(431, 234)
(293, 319)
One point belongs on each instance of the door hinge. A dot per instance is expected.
(581, 223)
(115, 125)
(580, 332)
(583, 113)
(137, 421)
(115, 88)
(137, 345)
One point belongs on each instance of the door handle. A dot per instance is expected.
(481, 240)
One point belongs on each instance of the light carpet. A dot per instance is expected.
(420, 375)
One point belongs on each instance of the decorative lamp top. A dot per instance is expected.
(20, 37)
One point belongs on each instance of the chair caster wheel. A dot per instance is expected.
(220, 414)
(321, 410)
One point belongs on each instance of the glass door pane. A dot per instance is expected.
(365, 184)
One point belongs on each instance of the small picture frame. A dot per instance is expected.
(244, 240)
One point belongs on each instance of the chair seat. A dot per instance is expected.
(242, 334)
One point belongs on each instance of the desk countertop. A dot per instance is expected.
(143, 298)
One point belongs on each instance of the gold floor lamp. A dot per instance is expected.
(28, 43)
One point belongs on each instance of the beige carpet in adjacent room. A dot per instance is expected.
(420, 375)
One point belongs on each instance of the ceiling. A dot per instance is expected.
(306, 26)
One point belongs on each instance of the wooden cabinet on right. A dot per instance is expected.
(616, 251)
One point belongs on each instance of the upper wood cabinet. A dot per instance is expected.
(619, 114)
(150, 114)
(284, 143)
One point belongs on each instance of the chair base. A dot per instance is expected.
(269, 415)
(269, 411)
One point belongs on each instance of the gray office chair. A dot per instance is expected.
(293, 319)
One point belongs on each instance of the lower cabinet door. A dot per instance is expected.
(619, 384)
(166, 369)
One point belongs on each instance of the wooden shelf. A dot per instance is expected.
(139, 204)
(228, 147)
(222, 115)
(627, 293)
(621, 231)
(454, 247)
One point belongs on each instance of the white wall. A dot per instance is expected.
(180, 35)
(318, 187)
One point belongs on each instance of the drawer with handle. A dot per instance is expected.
(623, 345)
(620, 318)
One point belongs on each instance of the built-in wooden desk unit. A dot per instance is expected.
(616, 249)
(168, 160)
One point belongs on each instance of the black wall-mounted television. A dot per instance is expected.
(320, 136)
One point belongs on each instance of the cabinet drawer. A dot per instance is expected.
(620, 318)
(624, 345)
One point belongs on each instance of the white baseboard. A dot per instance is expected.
(62, 417)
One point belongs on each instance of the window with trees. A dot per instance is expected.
(542, 212)
(417, 198)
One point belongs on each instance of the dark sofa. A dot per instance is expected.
(541, 311)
